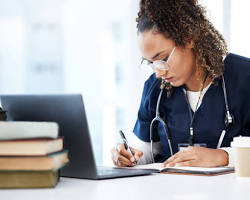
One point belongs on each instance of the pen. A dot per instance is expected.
(125, 142)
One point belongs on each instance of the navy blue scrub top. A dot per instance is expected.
(209, 119)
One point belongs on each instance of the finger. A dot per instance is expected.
(126, 154)
(176, 162)
(186, 151)
(189, 163)
(119, 147)
(172, 158)
(124, 164)
(183, 157)
(125, 161)
(122, 159)
(137, 153)
(114, 154)
(117, 156)
(119, 163)
(179, 157)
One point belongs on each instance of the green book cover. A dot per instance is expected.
(28, 179)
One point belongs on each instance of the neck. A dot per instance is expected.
(195, 83)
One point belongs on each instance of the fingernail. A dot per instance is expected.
(132, 159)
(134, 163)
(170, 165)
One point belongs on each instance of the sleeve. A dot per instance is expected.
(145, 148)
(245, 109)
(145, 114)
(238, 82)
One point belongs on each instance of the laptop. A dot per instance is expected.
(68, 111)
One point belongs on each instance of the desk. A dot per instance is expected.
(152, 187)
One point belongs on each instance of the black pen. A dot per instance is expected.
(125, 142)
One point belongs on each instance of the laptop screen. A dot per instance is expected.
(68, 111)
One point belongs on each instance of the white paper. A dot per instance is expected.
(159, 166)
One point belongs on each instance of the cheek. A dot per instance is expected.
(184, 67)
(183, 70)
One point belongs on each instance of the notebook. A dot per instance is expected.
(158, 167)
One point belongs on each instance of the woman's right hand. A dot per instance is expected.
(122, 158)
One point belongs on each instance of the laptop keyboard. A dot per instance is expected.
(110, 172)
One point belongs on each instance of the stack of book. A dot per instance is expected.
(31, 154)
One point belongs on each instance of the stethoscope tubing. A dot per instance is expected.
(159, 119)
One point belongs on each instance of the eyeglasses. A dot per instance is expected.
(157, 64)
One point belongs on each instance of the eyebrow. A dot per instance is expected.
(155, 56)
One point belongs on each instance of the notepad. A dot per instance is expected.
(158, 167)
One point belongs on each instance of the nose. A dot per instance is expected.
(160, 73)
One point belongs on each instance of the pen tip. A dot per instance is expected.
(122, 134)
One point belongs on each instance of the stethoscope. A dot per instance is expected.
(228, 122)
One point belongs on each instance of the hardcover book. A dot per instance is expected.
(28, 179)
(53, 161)
(24, 129)
(30, 147)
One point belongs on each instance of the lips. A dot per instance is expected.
(168, 79)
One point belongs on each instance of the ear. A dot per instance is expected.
(190, 44)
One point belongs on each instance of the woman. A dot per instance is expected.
(205, 95)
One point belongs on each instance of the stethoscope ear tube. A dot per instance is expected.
(229, 119)
(222, 135)
(167, 134)
(151, 141)
(158, 118)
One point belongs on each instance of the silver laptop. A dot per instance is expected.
(68, 111)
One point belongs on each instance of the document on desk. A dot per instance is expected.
(186, 170)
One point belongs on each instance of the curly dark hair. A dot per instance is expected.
(182, 21)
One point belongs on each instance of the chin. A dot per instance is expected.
(175, 81)
(176, 84)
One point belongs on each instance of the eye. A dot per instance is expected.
(165, 59)
(145, 61)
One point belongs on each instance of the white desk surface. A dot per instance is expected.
(152, 187)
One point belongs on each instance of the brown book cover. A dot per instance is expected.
(52, 161)
(30, 147)
(28, 179)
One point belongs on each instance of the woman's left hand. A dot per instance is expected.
(198, 157)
